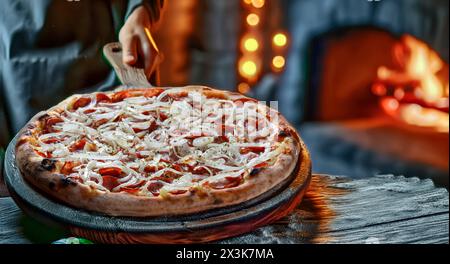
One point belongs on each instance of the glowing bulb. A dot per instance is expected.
(280, 39)
(258, 3)
(278, 62)
(248, 1)
(248, 68)
(243, 88)
(251, 44)
(253, 19)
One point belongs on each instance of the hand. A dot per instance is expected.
(136, 44)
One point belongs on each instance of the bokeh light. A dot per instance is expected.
(248, 68)
(243, 88)
(251, 44)
(253, 19)
(278, 62)
(258, 3)
(280, 39)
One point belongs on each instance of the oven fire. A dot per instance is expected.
(416, 89)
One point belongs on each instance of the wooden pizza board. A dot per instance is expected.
(196, 228)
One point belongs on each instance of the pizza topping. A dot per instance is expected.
(79, 145)
(154, 188)
(161, 142)
(110, 182)
(116, 172)
(81, 102)
(68, 167)
(101, 97)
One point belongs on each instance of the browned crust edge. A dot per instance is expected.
(122, 204)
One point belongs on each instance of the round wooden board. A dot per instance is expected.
(197, 228)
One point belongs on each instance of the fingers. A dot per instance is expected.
(147, 53)
(137, 49)
(129, 49)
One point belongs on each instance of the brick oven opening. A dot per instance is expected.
(389, 94)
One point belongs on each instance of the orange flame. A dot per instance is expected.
(418, 63)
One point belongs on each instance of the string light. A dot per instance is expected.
(253, 19)
(248, 68)
(253, 52)
(278, 62)
(279, 39)
(258, 3)
(251, 44)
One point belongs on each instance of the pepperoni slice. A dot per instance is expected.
(153, 126)
(176, 192)
(246, 150)
(44, 154)
(49, 122)
(79, 145)
(89, 111)
(99, 122)
(81, 102)
(111, 171)
(162, 116)
(134, 188)
(50, 140)
(153, 92)
(120, 96)
(261, 165)
(179, 95)
(101, 97)
(165, 160)
(68, 166)
(177, 167)
(110, 182)
(168, 176)
(137, 130)
(163, 178)
(221, 139)
(152, 169)
(154, 188)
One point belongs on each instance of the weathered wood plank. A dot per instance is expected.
(10, 227)
(423, 230)
(382, 209)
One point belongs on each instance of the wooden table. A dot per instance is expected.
(381, 209)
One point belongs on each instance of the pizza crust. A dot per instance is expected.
(78, 195)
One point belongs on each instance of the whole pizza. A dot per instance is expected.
(157, 152)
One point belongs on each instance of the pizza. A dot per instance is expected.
(157, 151)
